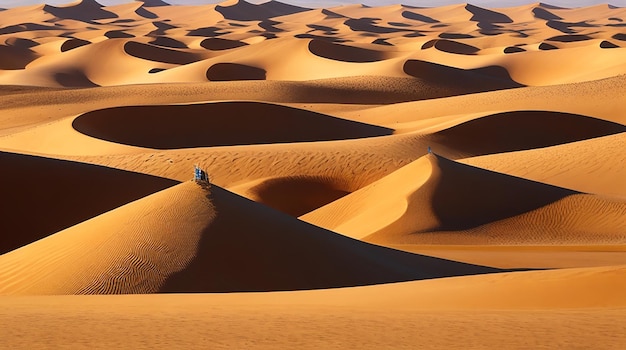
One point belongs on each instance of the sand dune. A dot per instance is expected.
(347, 148)
(549, 308)
(205, 246)
(49, 195)
(205, 125)
(440, 197)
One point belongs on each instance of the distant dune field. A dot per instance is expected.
(379, 177)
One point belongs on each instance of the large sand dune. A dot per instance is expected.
(395, 167)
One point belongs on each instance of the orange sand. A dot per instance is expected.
(326, 219)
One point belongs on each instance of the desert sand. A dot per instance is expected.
(379, 177)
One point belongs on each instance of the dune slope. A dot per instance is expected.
(192, 239)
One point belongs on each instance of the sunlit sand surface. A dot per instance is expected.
(379, 177)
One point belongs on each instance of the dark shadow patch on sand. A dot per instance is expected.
(569, 38)
(296, 196)
(321, 38)
(162, 28)
(208, 32)
(48, 195)
(244, 11)
(482, 15)
(544, 14)
(73, 43)
(619, 36)
(160, 54)
(344, 53)
(461, 81)
(217, 124)
(520, 130)
(455, 36)
(73, 79)
(25, 27)
(566, 27)
(368, 25)
(546, 46)
(13, 58)
(605, 44)
(418, 17)
(22, 43)
(168, 42)
(271, 251)
(451, 46)
(145, 13)
(218, 44)
(118, 34)
(84, 11)
(234, 72)
(513, 49)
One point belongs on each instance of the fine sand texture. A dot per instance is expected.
(377, 177)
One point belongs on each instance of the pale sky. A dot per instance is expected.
(328, 3)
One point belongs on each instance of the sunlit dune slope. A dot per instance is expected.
(48, 195)
(438, 201)
(192, 239)
(562, 308)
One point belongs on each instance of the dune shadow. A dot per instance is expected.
(605, 44)
(84, 11)
(160, 54)
(73, 43)
(569, 38)
(218, 44)
(418, 17)
(48, 195)
(234, 72)
(270, 251)
(168, 42)
(217, 124)
(451, 46)
(482, 15)
(15, 57)
(244, 11)
(344, 53)
(544, 14)
(73, 79)
(482, 196)
(521, 130)
(546, 46)
(513, 49)
(368, 25)
(296, 196)
(467, 80)
(22, 43)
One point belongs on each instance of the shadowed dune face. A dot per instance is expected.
(451, 46)
(297, 196)
(186, 239)
(84, 10)
(217, 124)
(244, 11)
(218, 44)
(345, 53)
(234, 72)
(73, 44)
(160, 54)
(460, 80)
(15, 57)
(288, 254)
(521, 130)
(499, 196)
(48, 195)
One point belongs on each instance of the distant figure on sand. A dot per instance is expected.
(200, 175)
(429, 151)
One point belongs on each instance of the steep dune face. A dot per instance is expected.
(217, 124)
(192, 239)
(48, 195)
(520, 130)
(436, 199)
